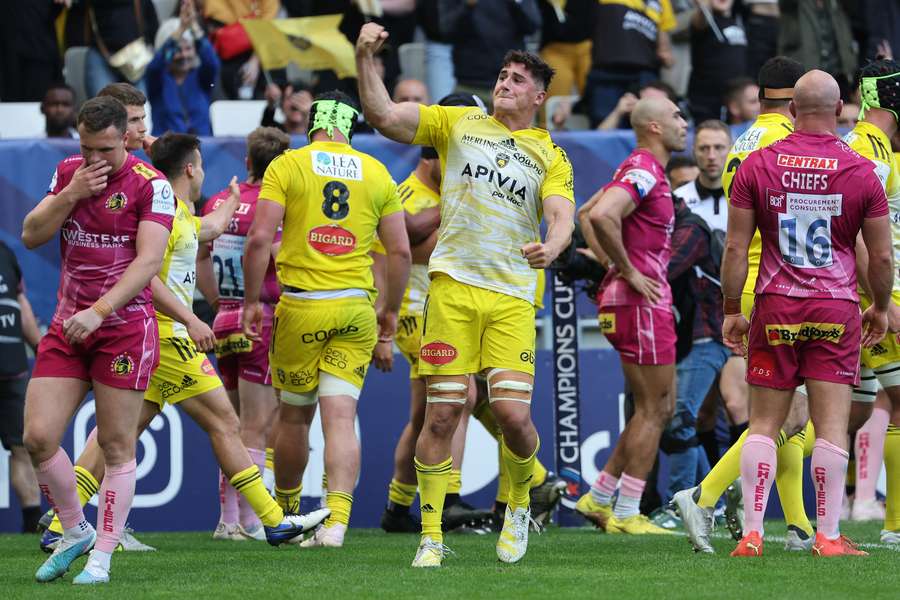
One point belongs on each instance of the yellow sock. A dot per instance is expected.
(249, 483)
(539, 476)
(482, 412)
(809, 440)
(401, 493)
(502, 477)
(86, 485)
(324, 484)
(340, 504)
(521, 471)
(270, 459)
(289, 499)
(725, 472)
(433, 480)
(892, 466)
(455, 483)
(789, 480)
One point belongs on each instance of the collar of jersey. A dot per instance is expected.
(773, 118)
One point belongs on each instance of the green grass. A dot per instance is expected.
(561, 563)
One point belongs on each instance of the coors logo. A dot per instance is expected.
(438, 353)
(332, 240)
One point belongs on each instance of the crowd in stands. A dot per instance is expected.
(185, 54)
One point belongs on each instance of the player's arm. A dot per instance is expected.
(30, 330)
(395, 121)
(421, 253)
(257, 253)
(215, 223)
(559, 214)
(44, 221)
(880, 274)
(392, 233)
(168, 304)
(383, 353)
(206, 277)
(741, 227)
(587, 230)
(422, 224)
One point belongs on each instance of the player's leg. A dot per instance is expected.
(291, 447)
(257, 409)
(789, 475)
(21, 472)
(869, 452)
(402, 488)
(891, 532)
(735, 395)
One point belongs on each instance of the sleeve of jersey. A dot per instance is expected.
(158, 203)
(636, 181)
(197, 224)
(275, 181)
(742, 187)
(560, 179)
(392, 201)
(877, 205)
(60, 179)
(435, 123)
(377, 246)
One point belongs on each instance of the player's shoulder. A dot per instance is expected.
(141, 171)
(69, 164)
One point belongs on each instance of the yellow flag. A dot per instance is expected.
(313, 43)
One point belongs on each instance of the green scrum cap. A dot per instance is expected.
(330, 115)
(881, 90)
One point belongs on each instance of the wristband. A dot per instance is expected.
(732, 306)
(385, 340)
(102, 308)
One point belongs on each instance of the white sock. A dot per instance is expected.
(77, 533)
(627, 506)
(100, 560)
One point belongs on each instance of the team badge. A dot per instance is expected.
(502, 159)
(116, 202)
(122, 365)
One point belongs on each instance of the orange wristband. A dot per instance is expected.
(732, 306)
(102, 308)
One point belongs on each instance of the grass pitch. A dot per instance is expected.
(561, 563)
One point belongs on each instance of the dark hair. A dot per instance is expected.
(59, 85)
(461, 99)
(337, 96)
(534, 64)
(714, 125)
(172, 151)
(679, 161)
(99, 113)
(661, 86)
(264, 144)
(125, 93)
(735, 87)
(777, 73)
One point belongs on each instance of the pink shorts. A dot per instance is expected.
(238, 357)
(794, 339)
(642, 335)
(120, 356)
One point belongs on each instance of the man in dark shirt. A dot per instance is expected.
(58, 108)
(718, 53)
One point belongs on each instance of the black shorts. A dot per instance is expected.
(12, 411)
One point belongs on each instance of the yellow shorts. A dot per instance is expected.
(408, 340)
(469, 329)
(886, 351)
(183, 372)
(336, 336)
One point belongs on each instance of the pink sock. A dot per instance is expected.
(228, 501)
(116, 495)
(628, 503)
(604, 488)
(56, 478)
(869, 451)
(758, 464)
(829, 471)
(248, 518)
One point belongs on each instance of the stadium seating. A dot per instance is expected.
(73, 71)
(21, 120)
(412, 61)
(235, 117)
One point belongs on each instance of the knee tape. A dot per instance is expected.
(299, 399)
(801, 389)
(867, 388)
(446, 386)
(888, 375)
(507, 385)
(331, 385)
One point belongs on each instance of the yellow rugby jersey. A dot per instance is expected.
(179, 266)
(333, 198)
(765, 131)
(493, 184)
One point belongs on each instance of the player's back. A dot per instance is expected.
(178, 270)
(810, 193)
(334, 198)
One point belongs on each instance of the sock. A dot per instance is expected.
(502, 479)
(892, 466)
(829, 467)
(249, 483)
(869, 450)
(454, 485)
(30, 517)
(483, 414)
(340, 504)
(759, 461)
(270, 459)
(116, 495)
(725, 472)
(401, 496)
(432, 489)
(289, 499)
(735, 431)
(789, 480)
(604, 488)
(86, 485)
(99, 561)
(540, 474)
(850, 479)
(629, 501)
(810, 439)
(228, 501)
(521, 470)
(56, 479)
(710, 444)
(246, 516)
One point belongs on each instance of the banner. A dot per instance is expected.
(313, 43)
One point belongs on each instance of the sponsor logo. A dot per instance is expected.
(144, 171)
(163, 198)
(207, 367)
(474, 140)
(236, 343)
(74, 235)
(335, 358)
(122, 365)
(527, 356)
(778, 335)
(811, 182)
(282, 376)
(360, 371)
(323, 335)
(342, 166)
(109, 502)
(642, 180)
(169, 389)
(762, 364)
(331, 240)
(300, 378)
(438, 353)
(777, 200)
(819, 479)
(607, 323)
(116, 202)
(509, 143)
(877, 350)
(501, 159)
(808, 162)
(427, 508)
(477, 116)
(506, 183)
(817, 204)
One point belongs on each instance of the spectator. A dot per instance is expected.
(741, 100)
(882, 23)
(566, 44)
(29, 54)
(482, 31)
(438, 50)
(705, 196)
(679, 72)
(620, 116)
(58, 108)
(296, 102)
(817, 34)
(239, 66)
(168, 26)
(410, 90)
(681, 169)
(761, 25)
(718, 52)
(630, 44)
(399, 18)
(180, 79)
(17, 327)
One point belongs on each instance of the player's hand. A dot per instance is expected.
(79, 326)
(387, 323)
(643, 285)
(874, 326)
(234, 190)
(251, 321)
(626, 103)
(147, 141)
(893, 317)
(383, 355)
(88, 180)
(734, 330)
(203, 336)
(371, 38)
(538, 255)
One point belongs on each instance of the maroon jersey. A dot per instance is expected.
(98, 239)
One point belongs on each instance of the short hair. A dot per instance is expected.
(540, 71)
(264, 144)
(679, 161)
(125, 93)
(172, 151)
(712, 125)
(663, 87)
(99, 113)
(59, 85)
(778, 72)
(735, 87)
